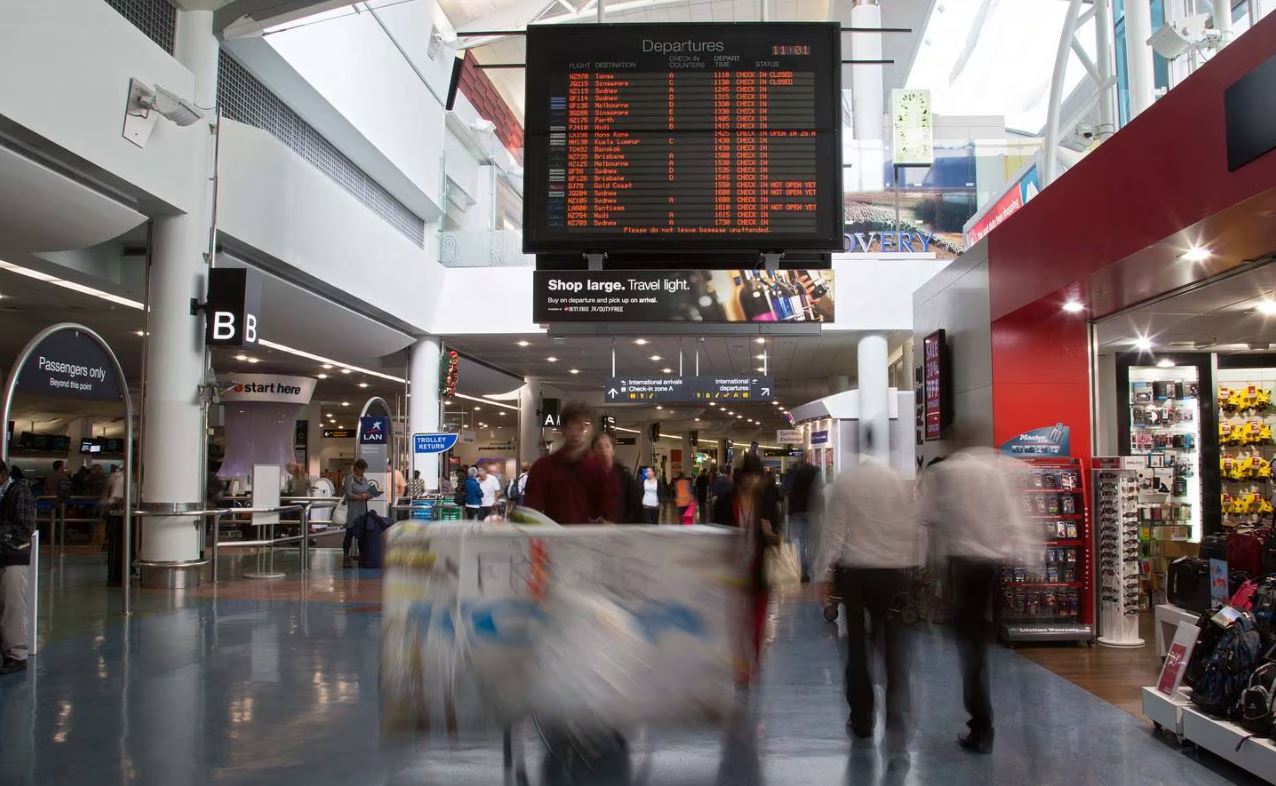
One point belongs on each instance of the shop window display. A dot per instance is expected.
(1245, 422)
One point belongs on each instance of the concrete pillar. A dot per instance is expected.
(529, 425)
(1138, 55)
(874, 392)
(688, 456)
(172, 439)
(867, 102)
(314, 440)
(423, 405)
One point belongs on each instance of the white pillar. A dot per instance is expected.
(688, 456)
(314, 440)
(1223, 21)
(172, 441)
(1138, 55)
(874, 393)
(423, 405)
(867, 101)
(529, 425)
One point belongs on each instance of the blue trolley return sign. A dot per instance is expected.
(433, 443)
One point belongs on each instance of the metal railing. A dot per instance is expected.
(33, 638)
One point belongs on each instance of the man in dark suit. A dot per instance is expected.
(17, 522)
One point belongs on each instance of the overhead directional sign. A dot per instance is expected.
(668, 389)
(433, 443)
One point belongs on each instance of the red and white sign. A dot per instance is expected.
(1176, 659)
(269, 388)
(1003, 209)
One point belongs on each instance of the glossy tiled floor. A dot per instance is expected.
(276, 683)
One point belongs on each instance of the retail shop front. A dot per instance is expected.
(1130, 307)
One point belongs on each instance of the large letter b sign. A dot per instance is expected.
(232, 308)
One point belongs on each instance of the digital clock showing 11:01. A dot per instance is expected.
(694, 136)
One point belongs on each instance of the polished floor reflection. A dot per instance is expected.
(276, 683)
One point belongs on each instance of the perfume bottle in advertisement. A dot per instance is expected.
(753, 298)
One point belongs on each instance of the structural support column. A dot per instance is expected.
(874, 388)
(314, 440)
(866, 96)
(172, 436)
(688, 456)
(1138, 55)
(529, 422)
(423, 405)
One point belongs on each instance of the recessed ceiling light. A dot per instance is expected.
(1195, 254)
(1074, 307)
(642, 342)
(713, 404)
(655, 357)
(524, 343)
(323, 376)
(345, 371)
(761, 369)
(759, 340)
(363, 384)
(139, 332)
(1165, 363)
(573, 371)
(739, 417)
(478, 409)
(327, 366)
(1142, 343)
(1266, 307)
(659, 407)
(552, 359)
(502, 414)
(762, 356)
(697, 419)
(666, 370)
(241, 357)
(253, 360)
(345, 403)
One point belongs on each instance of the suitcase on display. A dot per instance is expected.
(1188, 583)
(1245, 551)
(1214, 547)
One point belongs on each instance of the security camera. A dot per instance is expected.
(172, 106)
(1175, 38)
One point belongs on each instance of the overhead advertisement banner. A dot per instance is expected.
(673, 390)
(708, 296)
(271, 388)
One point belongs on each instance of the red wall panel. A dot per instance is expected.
(1163, 172)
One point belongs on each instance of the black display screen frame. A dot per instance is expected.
(551, 47)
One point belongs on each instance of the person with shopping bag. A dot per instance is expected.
(754, 508)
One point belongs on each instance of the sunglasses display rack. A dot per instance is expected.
(1118, 550)
(1050, 601)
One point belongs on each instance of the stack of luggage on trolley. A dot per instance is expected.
(587, 632)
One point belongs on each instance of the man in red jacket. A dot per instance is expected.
(570, 484)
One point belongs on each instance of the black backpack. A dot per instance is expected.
(1256, 702)
(1228, 668)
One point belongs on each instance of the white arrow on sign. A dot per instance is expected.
(611, 393)
(766, 391)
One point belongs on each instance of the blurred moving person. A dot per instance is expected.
(514, 491)
(17, 523)
(357, 491)
(804, 503)
(702, 494)
(683, 496)
(977, 524)
(570, 484)
(490, 492)
(624, 493)
(870, 538)
(473, 493)
(416, 486)
(753, 507)
(650, 496)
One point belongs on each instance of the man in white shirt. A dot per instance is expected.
(491, 488)
(977, 525)
(870, 538)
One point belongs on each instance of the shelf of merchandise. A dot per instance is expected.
(1048, 478)
(1166, 711)
(1243, 379)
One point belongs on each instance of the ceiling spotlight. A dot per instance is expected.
(1195, 254)
(642, 342)
(666, 371)
(655, 357)
(761, 369)
(253, 360)
(759, 340)
(552, 359)
(713, 404)
(524, 343)
(1266, 307)
(1074, 307)
(762, 356)
(1143, 344)
(345, 403)
(363, 384)
(327, 366)
(659, 407)
(696, 419)
(502, 414)
(345, 371)
(739, 417)
(478, 409)
(139, 332)
(323, 376)
(241, 357)
(1165, 363)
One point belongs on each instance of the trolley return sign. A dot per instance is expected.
(70, 363)
(674, 390)
(433, 443)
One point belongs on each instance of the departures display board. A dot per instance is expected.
(683, 137)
